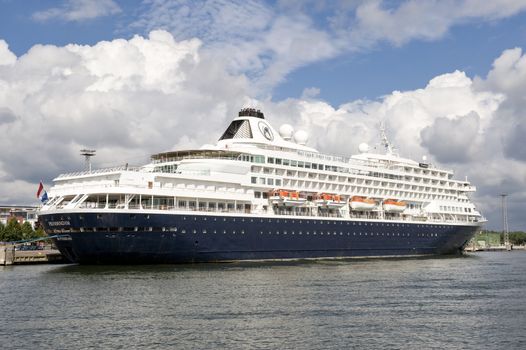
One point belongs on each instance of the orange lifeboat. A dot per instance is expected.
(278, 196)
(362, 203)
(294, 199)
(287, 198)
(394, 206)
(329, 200)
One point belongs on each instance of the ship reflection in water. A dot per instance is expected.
(477, 301)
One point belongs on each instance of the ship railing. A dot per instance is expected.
(100, 171)
(196, 156)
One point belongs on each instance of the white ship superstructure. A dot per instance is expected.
(250, 162)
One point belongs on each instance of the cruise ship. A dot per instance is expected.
(259, 194)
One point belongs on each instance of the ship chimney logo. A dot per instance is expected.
(265, 131)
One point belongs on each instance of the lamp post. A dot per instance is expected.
(505, 228)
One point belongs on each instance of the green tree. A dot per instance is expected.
(518, 238)
(27, 230)
(13, 230)
(2, 230)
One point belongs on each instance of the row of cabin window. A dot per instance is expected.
(306, 165)
(277, 182)
(212, 205)
(457, 209)
(333, 168)
(264, 181)
(183, 231)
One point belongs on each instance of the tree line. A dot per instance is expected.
(14, 231)
(516, 237)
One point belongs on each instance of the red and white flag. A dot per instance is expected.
(40, 189)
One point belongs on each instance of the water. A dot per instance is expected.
(472, 302)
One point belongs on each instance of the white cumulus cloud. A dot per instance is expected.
(268, 41)
(131, 98)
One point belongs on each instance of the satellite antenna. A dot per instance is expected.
(87, 153)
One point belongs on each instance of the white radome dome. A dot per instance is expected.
(301, 137)
(424, 158)
(286, 131)
(363, 147)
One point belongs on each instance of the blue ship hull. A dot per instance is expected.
(138, 238)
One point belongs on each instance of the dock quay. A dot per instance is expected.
(9, 255)
(498, 248)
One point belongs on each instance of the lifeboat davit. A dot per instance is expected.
(394, 206)
(361, 203)
(329, 200)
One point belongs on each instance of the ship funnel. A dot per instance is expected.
(251, 112)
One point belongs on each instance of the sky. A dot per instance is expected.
(132, 78)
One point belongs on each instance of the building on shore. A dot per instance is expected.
(22, 213)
